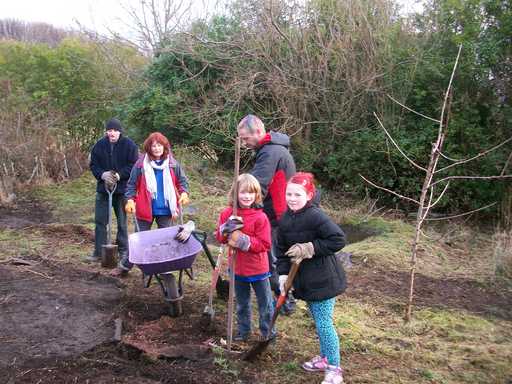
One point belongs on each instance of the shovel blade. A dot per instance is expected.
(256, 350)
(206, 321)
(222, 288)
(109, 255)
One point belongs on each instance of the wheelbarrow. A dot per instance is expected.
(157, 254)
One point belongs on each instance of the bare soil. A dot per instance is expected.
(57, 320)
(446, 293)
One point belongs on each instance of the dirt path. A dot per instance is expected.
(25, 213)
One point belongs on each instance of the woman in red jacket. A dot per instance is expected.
(251, 243)
(156, 191)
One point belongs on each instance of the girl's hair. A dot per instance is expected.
(159, 138)
(306, 180)
(247, 182)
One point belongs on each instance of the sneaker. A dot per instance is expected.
(333, 375)
(239, 337)
(316, 364)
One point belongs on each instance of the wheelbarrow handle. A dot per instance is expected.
(201, 236)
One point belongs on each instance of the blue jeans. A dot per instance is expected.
(161, 222)
(101, 221)
(243, 306)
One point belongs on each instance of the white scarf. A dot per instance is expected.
(149, 174)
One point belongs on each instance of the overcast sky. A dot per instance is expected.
(96, 14)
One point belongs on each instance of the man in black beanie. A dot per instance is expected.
(112, 159)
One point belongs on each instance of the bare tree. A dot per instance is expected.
(153, 22)
(12, 29)
(430, 195)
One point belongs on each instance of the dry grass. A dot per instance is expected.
(503, 254)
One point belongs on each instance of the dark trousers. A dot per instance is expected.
(274, 277)
(101, 221)
(161, 222)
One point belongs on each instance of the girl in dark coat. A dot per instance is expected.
(307, 236)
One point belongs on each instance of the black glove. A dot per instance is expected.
(233, 224)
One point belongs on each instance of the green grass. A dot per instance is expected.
(72, 201)
(20, 244)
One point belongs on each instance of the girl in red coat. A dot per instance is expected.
(249, 236)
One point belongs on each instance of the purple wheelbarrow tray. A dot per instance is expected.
(157, 251)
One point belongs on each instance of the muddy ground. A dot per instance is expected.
(57, 320)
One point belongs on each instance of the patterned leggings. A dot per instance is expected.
(322, 312)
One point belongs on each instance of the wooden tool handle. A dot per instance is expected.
(237, 173)
(291, 275)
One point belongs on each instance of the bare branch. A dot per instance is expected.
(472, 177)
(425, 210)
(396, 145)
(506, 164)
(460, 215)
(439, 197)
(194, 76)
(447, 94)
(446, 157)
(274, 24)
(412, 110)
(389, 190)
(475, 157)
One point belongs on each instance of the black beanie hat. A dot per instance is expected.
(114, 124)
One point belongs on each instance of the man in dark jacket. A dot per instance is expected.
(112, 159)
(273, 167)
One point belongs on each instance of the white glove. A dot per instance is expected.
(108, 177)
(185, 231)
(282, 281)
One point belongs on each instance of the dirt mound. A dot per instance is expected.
(74, 232)
(47, 312)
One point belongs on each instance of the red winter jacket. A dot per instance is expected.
(273, 167)
(137, 190)
(257, 227)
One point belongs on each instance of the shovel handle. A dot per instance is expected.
(287, 285)
(110, 193)
(136, 223)
(237, 173)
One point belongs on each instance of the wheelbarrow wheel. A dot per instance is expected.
(172, 294)
(175, 308)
